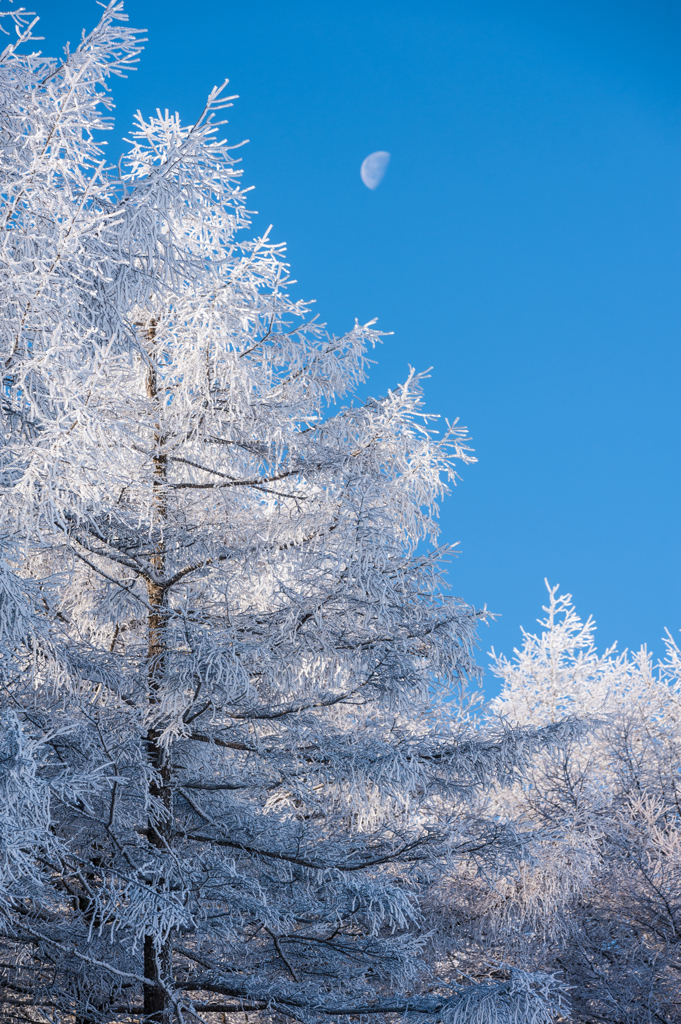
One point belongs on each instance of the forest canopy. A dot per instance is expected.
(244, 766)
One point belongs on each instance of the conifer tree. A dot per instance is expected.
(600, 896)
(230, 760)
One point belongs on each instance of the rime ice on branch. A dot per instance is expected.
(226, 660)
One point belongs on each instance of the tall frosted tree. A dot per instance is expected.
(230, 758)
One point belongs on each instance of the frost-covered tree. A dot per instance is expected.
(230, 759)
(600, 898)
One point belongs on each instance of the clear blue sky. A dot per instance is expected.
(525, 243)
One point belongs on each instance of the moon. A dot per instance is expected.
(373, 168)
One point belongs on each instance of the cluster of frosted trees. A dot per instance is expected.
(600, 895)
(239, 769)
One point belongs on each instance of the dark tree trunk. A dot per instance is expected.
(157, 955)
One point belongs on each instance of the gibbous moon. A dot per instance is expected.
(374, 167)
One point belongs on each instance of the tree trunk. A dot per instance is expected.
(157, 954)
(157, 957)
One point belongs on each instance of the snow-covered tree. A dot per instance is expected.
(600, 898)
(230, 758)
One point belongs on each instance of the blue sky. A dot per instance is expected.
(525, 243)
